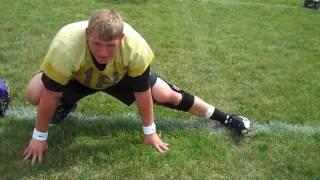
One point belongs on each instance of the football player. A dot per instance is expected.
(106, 54)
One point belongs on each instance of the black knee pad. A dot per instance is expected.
(186, 101)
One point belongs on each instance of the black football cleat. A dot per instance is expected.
(239, 124)
(62, 112)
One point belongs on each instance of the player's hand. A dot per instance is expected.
(35, 151)
(156, 142)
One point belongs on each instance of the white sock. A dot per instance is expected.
(210, 112)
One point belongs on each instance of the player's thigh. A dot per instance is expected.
(34, 89)
(162, 92)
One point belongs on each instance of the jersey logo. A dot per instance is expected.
(103, 81)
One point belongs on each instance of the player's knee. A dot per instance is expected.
(34, 89)
(31, 96)
(183, 101)
(186, 101)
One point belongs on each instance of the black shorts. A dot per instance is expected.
(75, 91)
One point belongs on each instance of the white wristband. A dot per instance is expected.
(39, 135)
(149, 129)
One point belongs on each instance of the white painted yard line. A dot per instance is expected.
(29, 113)
(280, 127)
(22, 112)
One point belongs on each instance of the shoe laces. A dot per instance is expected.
(228, 119)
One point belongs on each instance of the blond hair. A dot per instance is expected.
(105, 24)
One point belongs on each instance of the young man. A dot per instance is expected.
(106, 54)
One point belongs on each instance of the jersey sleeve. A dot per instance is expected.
(136, 52)
(57, 65)
(140, 61)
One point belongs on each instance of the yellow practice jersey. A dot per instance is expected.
(69, 58)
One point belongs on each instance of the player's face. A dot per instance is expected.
(103, 50)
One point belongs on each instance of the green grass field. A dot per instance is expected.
(255, 58)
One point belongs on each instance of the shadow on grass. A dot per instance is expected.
(104, 141)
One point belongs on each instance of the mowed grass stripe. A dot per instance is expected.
(273, 127)
(255, 4)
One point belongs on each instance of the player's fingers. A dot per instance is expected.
(28, 156)
(164, 147)
(34, 159)
(160, 149)
(166, 144)
(26, 151)
(40, 157)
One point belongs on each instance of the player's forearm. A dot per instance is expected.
(145, 106)
(46, 108)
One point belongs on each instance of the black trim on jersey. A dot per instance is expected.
(51, 84)
(140, 83)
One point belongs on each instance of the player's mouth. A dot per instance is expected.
(103, 59)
